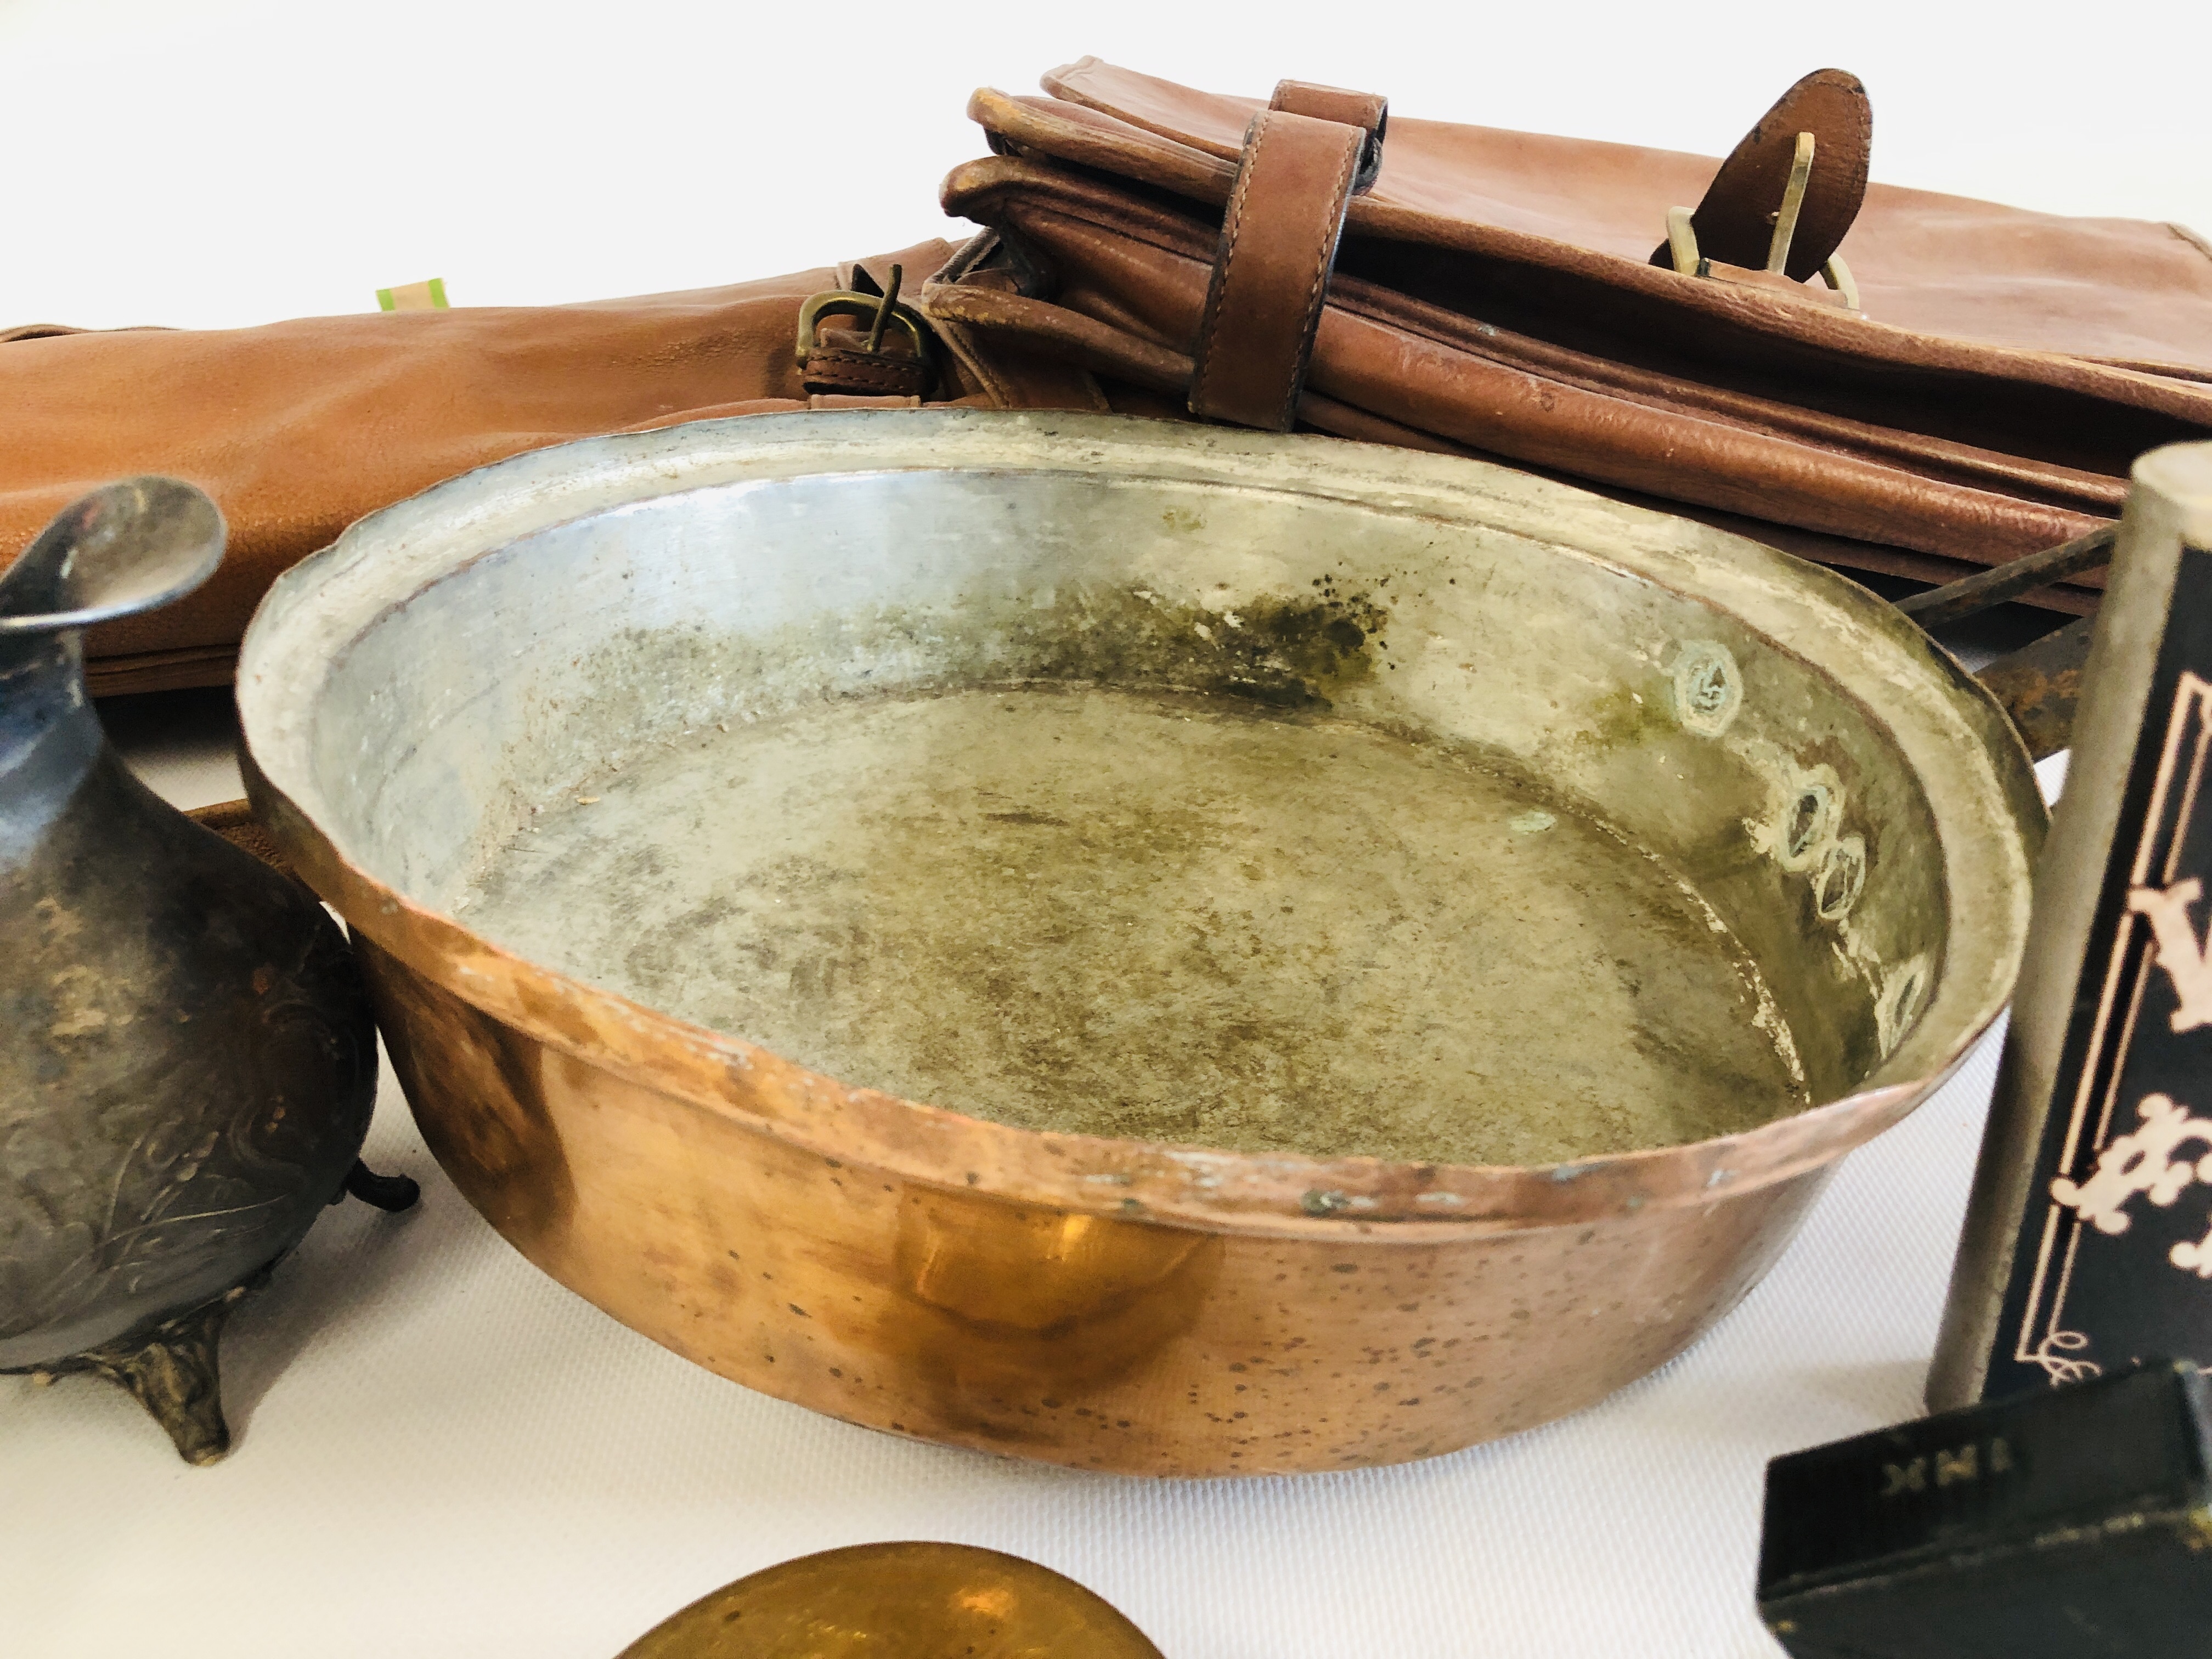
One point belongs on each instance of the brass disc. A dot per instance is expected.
(906, 1601)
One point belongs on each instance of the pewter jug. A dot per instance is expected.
(187, 1063)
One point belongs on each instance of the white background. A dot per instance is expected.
(214, 162)
(441, 1452)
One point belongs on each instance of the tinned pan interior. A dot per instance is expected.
(1843, 795)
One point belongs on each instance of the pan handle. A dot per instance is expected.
(2041, 684)
(2000, 583)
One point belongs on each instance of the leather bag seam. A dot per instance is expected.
(2190, 237)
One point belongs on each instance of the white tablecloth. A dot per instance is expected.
(441, 1452)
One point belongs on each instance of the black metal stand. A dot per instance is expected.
(390, 1194)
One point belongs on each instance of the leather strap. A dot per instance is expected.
(848, 400)
(841, 363)
(1305, 157)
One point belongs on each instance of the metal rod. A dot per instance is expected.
(1947, 604)
(1682, 240)
(883, 311)
(1793, 200)
(1838, 276)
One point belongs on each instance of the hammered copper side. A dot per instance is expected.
(953, 1314)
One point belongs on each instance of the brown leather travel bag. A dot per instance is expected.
(297, 429)
(1970, 385)
(1921, 385)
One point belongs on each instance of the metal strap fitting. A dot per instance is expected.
(866, 368)
(1682, 238)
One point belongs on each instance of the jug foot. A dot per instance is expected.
(390, 1194)
(173, 1373)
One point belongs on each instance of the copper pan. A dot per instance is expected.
(1849, 805)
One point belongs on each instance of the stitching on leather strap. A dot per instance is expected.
(1256, 131)
(834, 370)
(1324, 259)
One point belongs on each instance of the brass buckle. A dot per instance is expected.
(1682, 236)
(875, 309)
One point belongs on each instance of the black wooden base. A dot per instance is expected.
(2073, 1522)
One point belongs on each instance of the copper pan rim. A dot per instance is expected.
(1256, 1194)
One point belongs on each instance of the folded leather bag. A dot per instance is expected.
(1967, 384)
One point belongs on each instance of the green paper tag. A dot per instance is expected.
(414, 296)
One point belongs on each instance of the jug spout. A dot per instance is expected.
(125, 547)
